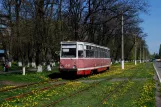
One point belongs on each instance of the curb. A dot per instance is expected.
(157, 73)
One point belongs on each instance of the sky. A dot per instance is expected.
(1, 51)
(152, 25)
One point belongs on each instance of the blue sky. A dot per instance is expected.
(152, 25)
(1, 51)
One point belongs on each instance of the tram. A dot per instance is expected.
(82, 58)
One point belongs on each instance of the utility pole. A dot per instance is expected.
(135, 50)
(122, 62)
(143, 53)
(140, 51)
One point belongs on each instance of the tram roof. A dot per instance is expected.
(92, 44)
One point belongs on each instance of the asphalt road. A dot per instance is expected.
(157, 66)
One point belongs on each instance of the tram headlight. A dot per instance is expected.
(74, 67)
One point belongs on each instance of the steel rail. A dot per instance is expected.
(32, 92)
(115, 90)
(74, 93)
(22, 86)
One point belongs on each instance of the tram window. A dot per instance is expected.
(101, 53)
(80, 51)
(71, 52)
(108, 54)
(89, 51)
(68, 50)
(92, 51)
(88, 47)
(96, 52)
(80, 54)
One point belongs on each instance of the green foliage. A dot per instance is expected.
(160, 51)
(156, 56)
(38, 32)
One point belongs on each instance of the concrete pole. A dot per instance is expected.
(143, 54)
(23, 69)
(135, 51)
(140, 51)
(122, 62)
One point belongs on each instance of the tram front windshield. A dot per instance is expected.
(68, 51)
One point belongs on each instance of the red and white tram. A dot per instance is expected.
(83, 58)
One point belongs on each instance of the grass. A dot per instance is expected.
(28, 78)
(31, 76)
(90, 97)
(139, 91)
(127, 96)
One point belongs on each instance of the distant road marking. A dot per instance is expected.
(157, 73)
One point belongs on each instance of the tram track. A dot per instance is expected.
(109, 94)
(33, 91)
(55, 84)
(74, 93)
(50, 87)
(27, 85)
(87, 88)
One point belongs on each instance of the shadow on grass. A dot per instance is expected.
(66, 76)
(70, 76)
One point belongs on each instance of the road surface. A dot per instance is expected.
(157, 66)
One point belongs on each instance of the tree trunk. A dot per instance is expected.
(39, 68)
(48, 67)
(23, 69)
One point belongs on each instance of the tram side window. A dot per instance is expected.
(108, 54)
(96, 52)
(80, 51)
(89, 52)
(101, 53)
(104, 53)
